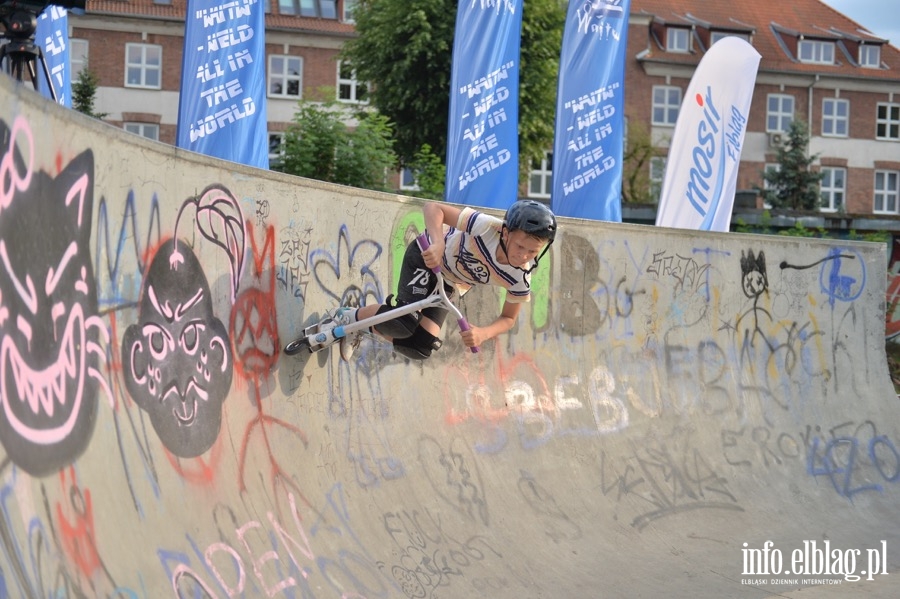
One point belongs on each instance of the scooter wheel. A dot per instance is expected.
(296, 346)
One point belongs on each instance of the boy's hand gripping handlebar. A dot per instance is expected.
(464, 325)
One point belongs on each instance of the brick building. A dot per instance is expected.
(817, 65)
(136, 48)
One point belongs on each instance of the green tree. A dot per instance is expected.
(318, 145)
(542, 29)
(84, 92)
(404, 47)
(366, 156)
(793, 185)
(637, 187)
(430, 174)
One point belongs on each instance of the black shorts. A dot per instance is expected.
(417, 282)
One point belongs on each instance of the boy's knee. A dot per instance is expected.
(417, 346)
(397, 328)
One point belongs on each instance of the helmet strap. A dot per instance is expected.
(502, 243)
(505, 253)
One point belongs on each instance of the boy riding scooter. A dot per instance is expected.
(471, 248)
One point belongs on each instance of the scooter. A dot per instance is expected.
(316, 338)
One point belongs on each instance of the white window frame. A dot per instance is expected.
(145, 130)
(835, 117)
(284, 76)
(320, 9)
(666, 102)
(870, 56)
(540, 178)
(144, 65)
(779, 118)
(348, 7)
(887, 121)
(408, 180)
(715, 36)
(887, 192)
(79, 51)
(279, 153)
(833, 188)
(352, 85)
(657, 176)
(815, 52)
(769, 166)
(678, 39)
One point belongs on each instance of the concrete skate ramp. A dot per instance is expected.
(669, 403)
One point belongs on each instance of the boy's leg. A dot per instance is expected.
(367, 311)
(416, 283)
(425, 339)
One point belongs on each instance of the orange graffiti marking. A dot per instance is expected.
(198, 471)
(78, 535)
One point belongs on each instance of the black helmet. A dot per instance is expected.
(533, 218)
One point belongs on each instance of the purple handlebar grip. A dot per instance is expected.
(464, 326)
(424, 244)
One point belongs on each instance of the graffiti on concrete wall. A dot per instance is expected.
(177, 324)
(177, 357)
(50, 332)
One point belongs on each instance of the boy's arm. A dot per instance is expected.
(507, 319)
(437, 214)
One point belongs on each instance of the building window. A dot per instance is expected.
(886, 190)
(666, 102)
(870, 56)
(887, 121)
(349, 5)
(779, 113)
(349, 89)
(143, 66)
(769, 168)
(78, 56)
(832, 188)
(307, 8)
(715, 36)
(276, 148)
(285, 75)
(325, 9)
(835, 117)
(540, 180)
(148, 130)
(657, 174)
(816, 52)
(678, 40)
(408, 180)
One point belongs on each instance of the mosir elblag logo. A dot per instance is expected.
(717, 144)
(813, 559)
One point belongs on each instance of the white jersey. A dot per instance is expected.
(470, 257)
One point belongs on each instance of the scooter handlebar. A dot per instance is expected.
(424, 244)
(464, 325)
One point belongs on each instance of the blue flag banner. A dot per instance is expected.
(483, 135)
(587, 147)
(222, 105)
(52, 35)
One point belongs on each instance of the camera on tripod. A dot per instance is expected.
(20, 55)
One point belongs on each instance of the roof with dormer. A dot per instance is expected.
(775, 29)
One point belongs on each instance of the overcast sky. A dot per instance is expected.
(881, 17)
